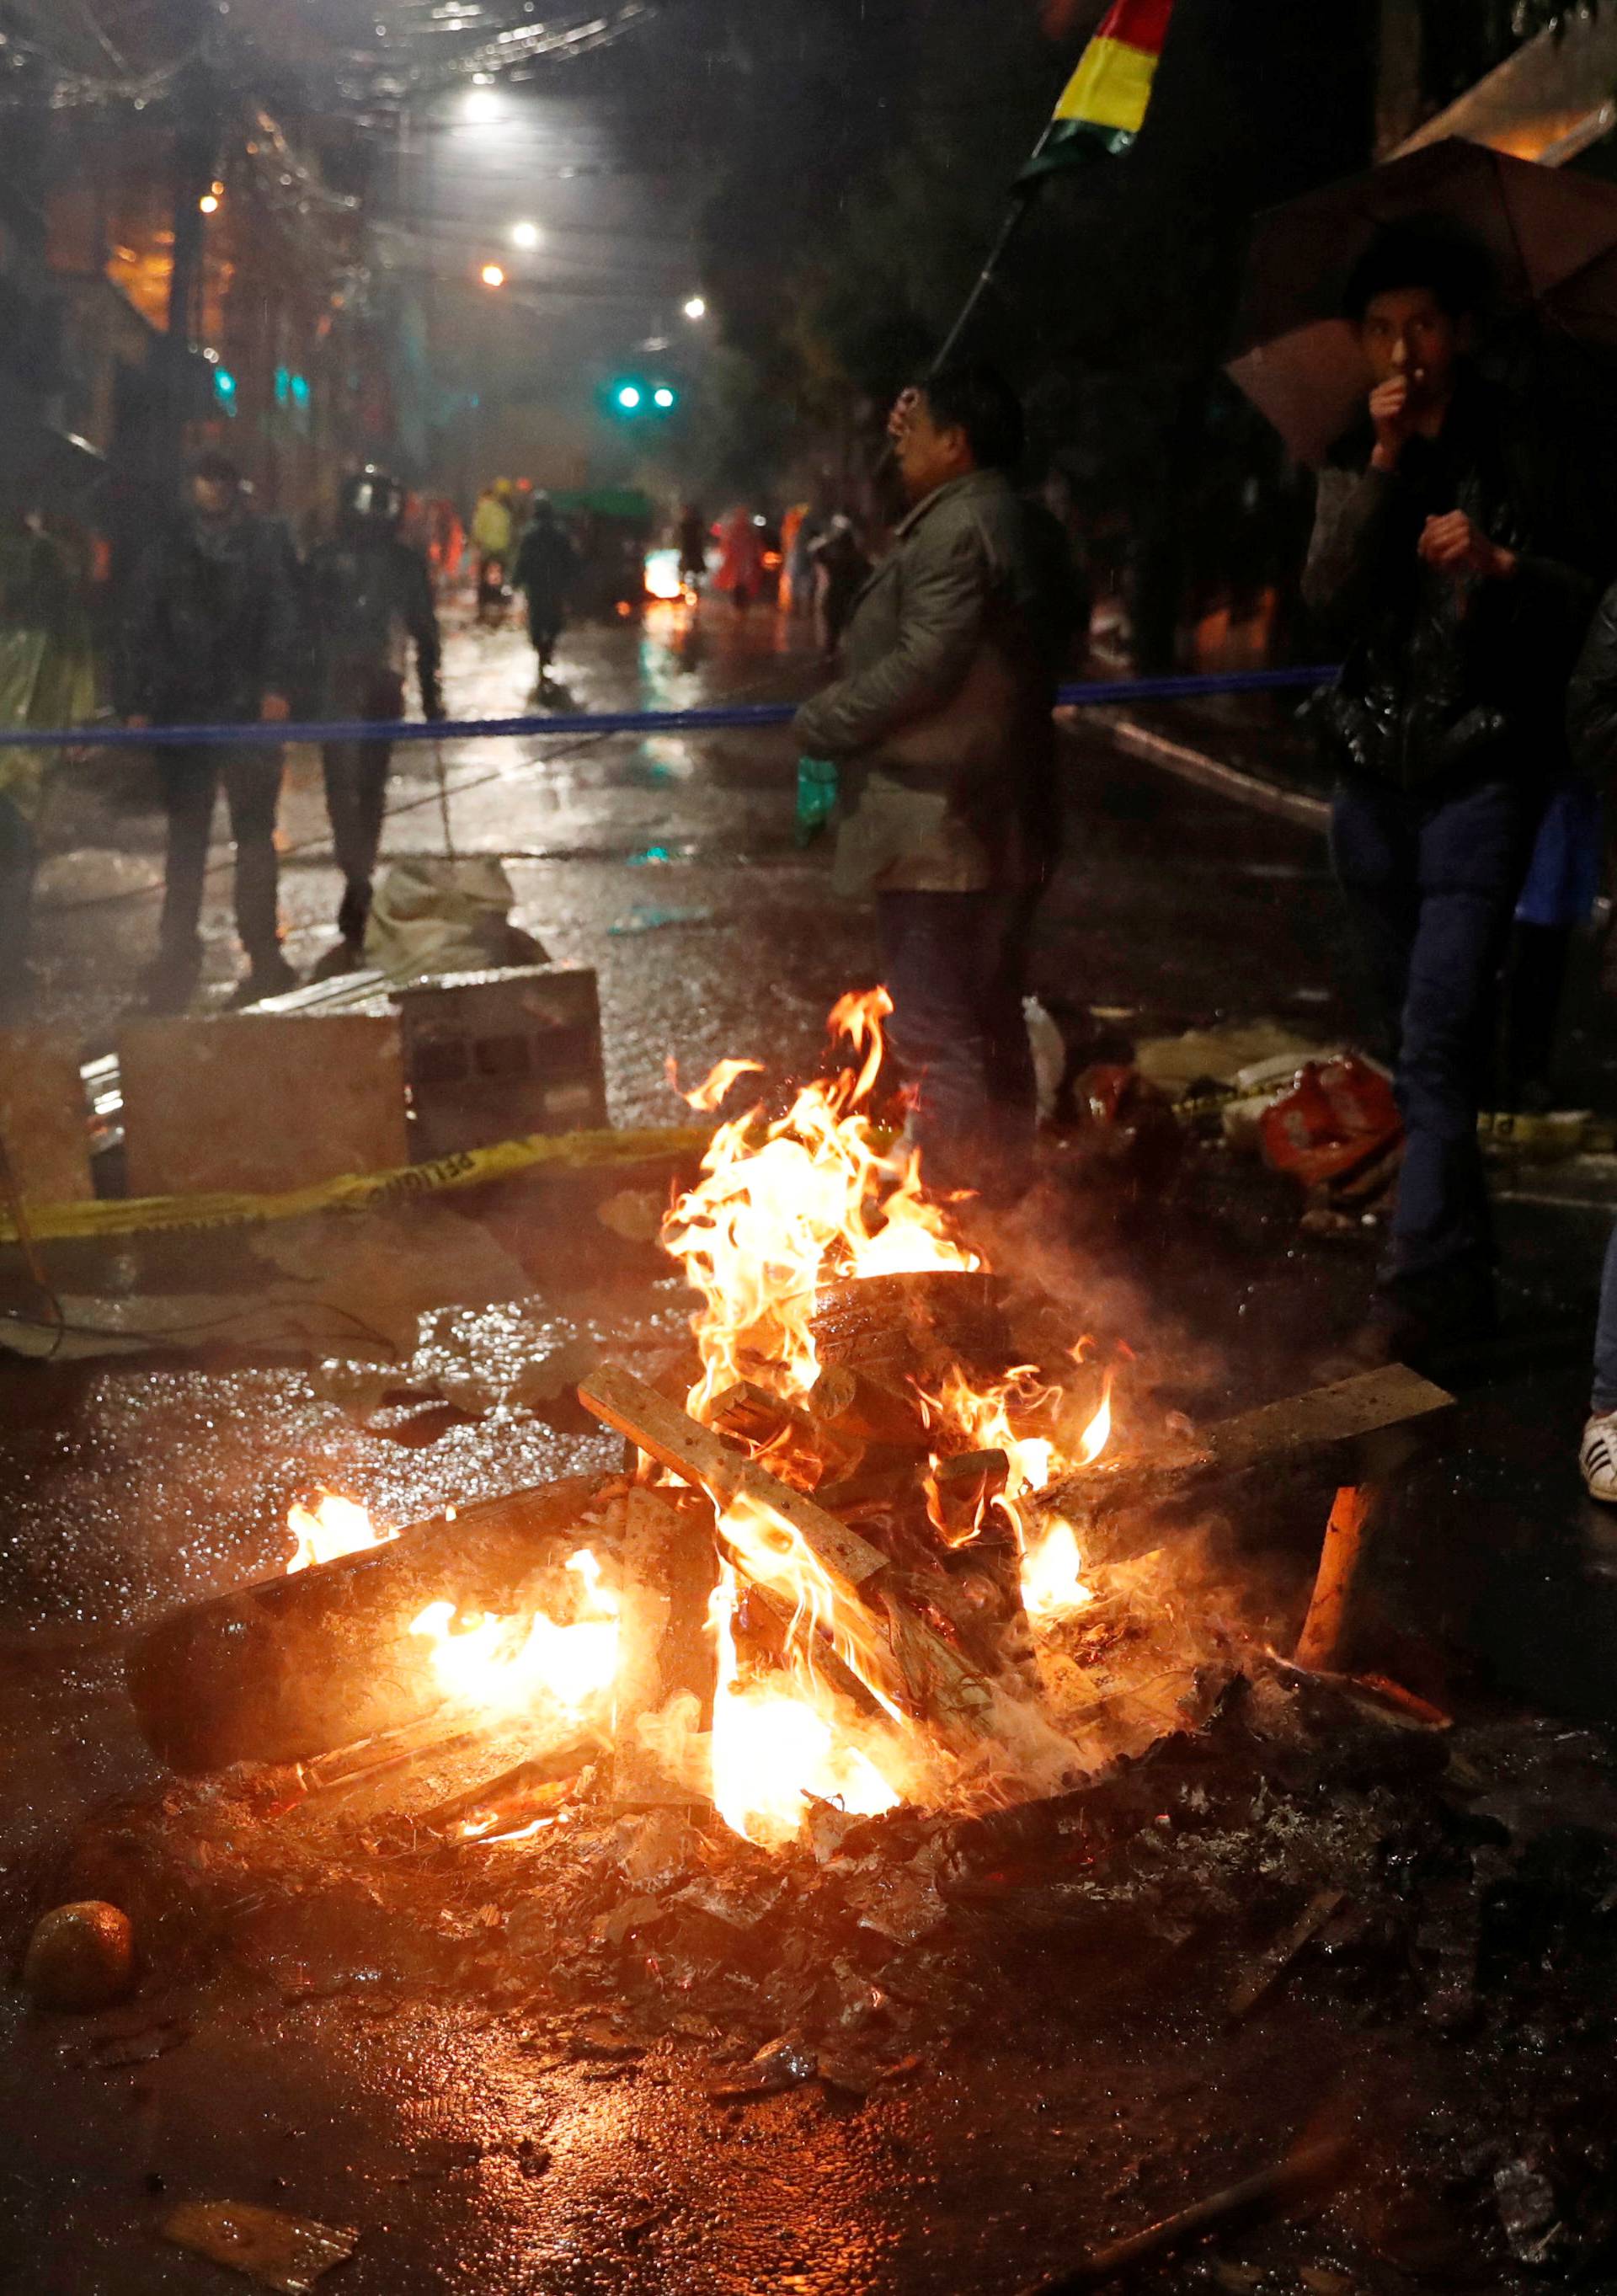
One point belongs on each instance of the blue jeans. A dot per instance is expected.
(954, 966)
(1604, 1396)
(1431, 882)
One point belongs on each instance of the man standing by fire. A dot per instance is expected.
(942, 725)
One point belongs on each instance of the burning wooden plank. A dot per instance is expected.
(292, 1666)
(936, 1677)
(877, 1323)
(514, 1795)
(667, 1656)
(1340, 1413)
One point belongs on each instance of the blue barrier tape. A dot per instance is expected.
(721, 717)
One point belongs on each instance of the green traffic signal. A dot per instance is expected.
(634, 396)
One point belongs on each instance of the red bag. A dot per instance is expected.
(1338, 1115)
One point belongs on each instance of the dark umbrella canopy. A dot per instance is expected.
(1551, 239)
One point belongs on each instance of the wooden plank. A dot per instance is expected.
(937, 1679)
(670, 1568)
(677, 1443)
(1325, 1415)
(1338, 1414)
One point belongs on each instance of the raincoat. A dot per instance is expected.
(47, 667)
(492, 529)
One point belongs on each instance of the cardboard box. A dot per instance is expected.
(261, 1102)
(44, 1117)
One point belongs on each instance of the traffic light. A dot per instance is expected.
(634, 394)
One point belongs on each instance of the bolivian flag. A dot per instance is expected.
(1104, 104)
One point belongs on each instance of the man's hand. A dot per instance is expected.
(1452, 544)
(274, 709)
(903, 411)
(1393, 416)
(137, 721)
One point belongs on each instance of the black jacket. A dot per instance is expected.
(546, 562)
(369, 598)
(1591, 704)
(1442, 681)
(210, 622)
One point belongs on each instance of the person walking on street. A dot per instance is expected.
(210, 636)
(692, 540)
(546, 567)
(1441, 563)
(370, 598)
(942, 725)
(492, 529)
(740, 562)
(841, 569)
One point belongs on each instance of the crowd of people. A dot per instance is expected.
(1454, 569)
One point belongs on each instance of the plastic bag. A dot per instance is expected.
(433, 916)
(816, 797)
(1339, 1114)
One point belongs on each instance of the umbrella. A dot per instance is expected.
(1552, 239)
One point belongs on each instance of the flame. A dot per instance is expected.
(789, 1205)
(773, 1745)
(1097, 1434)
(333, 1527)
(1051, 1584)
(981, 1419)
(707, 1095)
(501, 1665)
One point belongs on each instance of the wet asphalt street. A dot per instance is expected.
(669, 864)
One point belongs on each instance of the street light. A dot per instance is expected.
(492, 276)
(696, 308)
(628, 395)
(526, 235)
(663, 397)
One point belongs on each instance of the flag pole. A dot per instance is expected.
(985, 278)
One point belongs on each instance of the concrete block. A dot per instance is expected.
(260, 1102)
(44, 1118)
(497, 1055)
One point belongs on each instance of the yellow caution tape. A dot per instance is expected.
(471, 1167)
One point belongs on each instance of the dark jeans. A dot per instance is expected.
(357, 783)
(1605, 1395)
(544, 623)
(955, 966)
(18, 855)
(250, 772)
(1432, 883)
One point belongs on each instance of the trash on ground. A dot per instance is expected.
(290, 2253)
(80, 1956)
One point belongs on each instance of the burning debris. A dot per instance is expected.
(878, 1701)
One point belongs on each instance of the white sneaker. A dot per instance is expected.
(1597, 1456)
